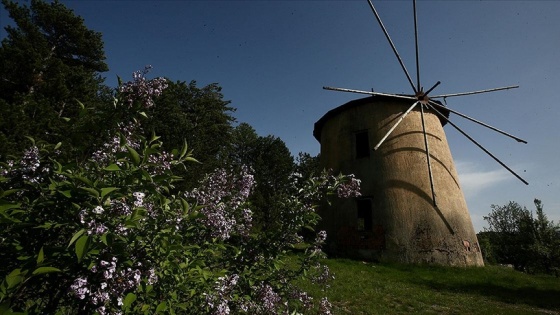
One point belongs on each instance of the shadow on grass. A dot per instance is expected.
(516, 293)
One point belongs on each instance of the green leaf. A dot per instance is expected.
(6, 193)
(182, 306)
(154, 137)
(146, 175)
(143, 114)
(133, 155)
(84, 180)
(131, 223)
(81, 104)
(31, 139)
(107, 190)
(5, 307)
(161, 307)
(191, 159)
(58, 166)
(66, 193)
(14, 278)
(129, 299)
(82, 246)
(40, 256)
(4, 205)
(75, 237)
(57, 146)
(42, 270)
(93, 192)
(112, 167)
(66, 119)
(184, 149)
(185, 205)
(107, 239)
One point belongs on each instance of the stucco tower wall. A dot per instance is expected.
(396, 179)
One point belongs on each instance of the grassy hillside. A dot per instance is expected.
(367, 288)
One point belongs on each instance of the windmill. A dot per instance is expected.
(426, 107)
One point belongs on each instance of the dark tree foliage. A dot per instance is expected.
(516, 236)
(198, 115)
(48, 61)
(243, 145)
(272, 165)
(307, 165)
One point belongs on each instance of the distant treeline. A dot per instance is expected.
(518, 237)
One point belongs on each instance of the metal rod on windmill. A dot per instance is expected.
(395, 125)
(477, 121)
(418, 86)
(423, 98)
(432, 88)
(478, 144)
(330, 88)
(428, 155)
(476, 92)
(392, 45)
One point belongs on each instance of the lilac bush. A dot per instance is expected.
(141, 90)
(222, 197)
(111, 235)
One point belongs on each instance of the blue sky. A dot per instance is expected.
(272, 59)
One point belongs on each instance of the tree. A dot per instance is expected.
(307, 165)
(198, 115)
(515, 236)
(243, 145)
(546, 246)
(272, 164)
(48, 61)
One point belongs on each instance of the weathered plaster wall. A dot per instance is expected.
(406, 225)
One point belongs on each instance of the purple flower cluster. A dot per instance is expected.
(138, 198)
(109, 285)
(142, 90)
(5, 171)
(29, 169)
(303, 298)
(321, 237)
(120, 207)
(95, 220)
(79, 288)
(325, 307)
(323, 276)
(268, 299)
(219, 300)
(349, 189)
(107, 152)
(223, 196)
(89, 219)
(30, 160)
(159, 163)
(320, 240)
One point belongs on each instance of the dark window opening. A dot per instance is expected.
(364, 214)
(362, 144)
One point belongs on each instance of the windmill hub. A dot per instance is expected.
(422, 97)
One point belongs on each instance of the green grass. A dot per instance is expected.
(368, 288)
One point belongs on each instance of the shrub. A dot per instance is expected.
(515, 236)
(111, 235)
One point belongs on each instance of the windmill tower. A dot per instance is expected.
(412, 208)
